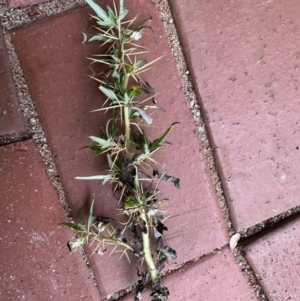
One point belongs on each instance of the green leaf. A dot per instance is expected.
(123, 10)
(135, 91)
(91, 218)
(116, 75)
(108, 92)
(130, 202)
(111, 14)
(140, 63)
(98, 149)
(76, 227)
(156, 144)
(100, 13)
(126, 98)
(99, 37)
(104, 143)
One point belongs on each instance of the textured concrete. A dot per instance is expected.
(56, 70)
(245, 62)
(213, 277)
(35, 262)
(11, 120)
(275, 259)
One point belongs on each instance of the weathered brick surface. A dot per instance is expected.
(244, 56)
(35, 262)
(54, 64)
(275, 259)
(214, 277)
(11, 117)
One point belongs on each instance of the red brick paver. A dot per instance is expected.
(244, 56)
(56, 70)
(11, 120)
(214, 277)
(35, 262)
(275, 258)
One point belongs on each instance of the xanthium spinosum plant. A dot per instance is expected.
(131, 169)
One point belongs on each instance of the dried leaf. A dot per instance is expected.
(141, 285)
(161, 263)
(84, 37)
(142, 226)
(144, 115)
(234, 241)
(165, 177)
(159, 292)
(128, 174)
(138, 243)
(159, 229)
(169, 252)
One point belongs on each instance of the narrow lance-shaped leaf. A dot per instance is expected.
(91, 218)
(111, 14)
(100, 37)
(123, 11)
(100, 12)
(104, 143)
(76, 227)
(108, 92)
(156, 144)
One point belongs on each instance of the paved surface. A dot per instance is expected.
(244, 63)
(245, 59)
(11, 119)
(34, 259)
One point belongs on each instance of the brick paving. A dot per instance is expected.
(275, 258)
(64, 106)
(214, 277)
(11, 117)
(35, 263)
(243, 60)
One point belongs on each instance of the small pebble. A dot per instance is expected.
(201, 129)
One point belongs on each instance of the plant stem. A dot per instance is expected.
(147, 251)
(126, 114)
(145, 237)
(116, 242)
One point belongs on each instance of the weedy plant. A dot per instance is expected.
(131, 169)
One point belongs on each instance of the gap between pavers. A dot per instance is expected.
(275, 259)
(213, 277)
(35, 262)
(245, 61)
(11, 117)
(56, 71)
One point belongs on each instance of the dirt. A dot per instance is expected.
(16, 17)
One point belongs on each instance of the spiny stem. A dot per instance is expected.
(145, 237)
(147, 251)
(117, 242)
(109, 240)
